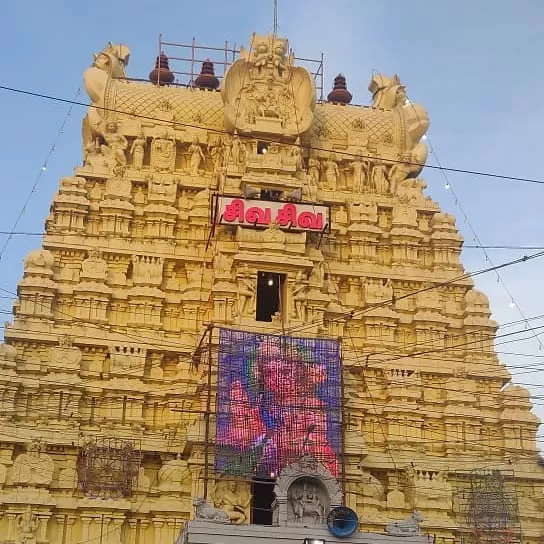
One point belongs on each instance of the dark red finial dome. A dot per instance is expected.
(161, 75)
(207, 79)
(339, 93)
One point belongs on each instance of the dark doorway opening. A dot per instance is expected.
(261, 503)
(269, 295)
(270, 194)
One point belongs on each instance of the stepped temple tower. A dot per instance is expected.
(243, 283)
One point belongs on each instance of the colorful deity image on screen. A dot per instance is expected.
(278, 399)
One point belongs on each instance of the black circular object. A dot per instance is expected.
(342, 521)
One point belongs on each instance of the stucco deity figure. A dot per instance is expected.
(299, 295)
(28, 524)
(196, 157)
(138, 151)
(359, 168)
(230, 502)
(379, 179)
(218, 155)
(34, 467)
(331, 174)
(246, 292)
(314, 171)
(115, 144)
(306, 503)
(296, 153)
(234, 153)
(163, 152)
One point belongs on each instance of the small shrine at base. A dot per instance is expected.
(307, 507)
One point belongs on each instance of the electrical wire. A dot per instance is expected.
(38, 178)
(266, 140)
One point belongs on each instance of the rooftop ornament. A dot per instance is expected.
(339, 93)
(161, 75)
(207, 79)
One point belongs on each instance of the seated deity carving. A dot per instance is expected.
(35, 467)
(230, 499)
(115, 143)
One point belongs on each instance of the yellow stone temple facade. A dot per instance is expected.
(190, 203)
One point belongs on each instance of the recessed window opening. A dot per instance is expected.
(270, 293)
(262, 492)
(262, 148)
(270, 194)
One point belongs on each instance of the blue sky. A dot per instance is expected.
(475, 66)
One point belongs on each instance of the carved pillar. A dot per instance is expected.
(41, 533)
(70, 521)
(85, 527)
(131, 531)
(12, 517)
(158, 525)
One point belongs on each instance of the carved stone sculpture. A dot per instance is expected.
(229, 500)
(108, 64)
(196, 157)
(163, 152)
(411, 165)
(359, 169)
(65, 356)
(138, 151)
(263, 91)
(299, 295)
(115, 144)
(27, 524)
(206, 512)
(409, 527)
(389, 93)
(379, 179)
(246, 293)
(331, 174)
(306, 503)
(34, 467)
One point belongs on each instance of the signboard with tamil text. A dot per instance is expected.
(295, 216)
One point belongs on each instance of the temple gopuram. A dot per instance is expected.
(248, 321)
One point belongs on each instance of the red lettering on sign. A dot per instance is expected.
(234, 211)
(258, 216)
(287, 216)
(309, 220)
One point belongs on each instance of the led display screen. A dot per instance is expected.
(278, 399)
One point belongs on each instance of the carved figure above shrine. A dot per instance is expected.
(263, 92)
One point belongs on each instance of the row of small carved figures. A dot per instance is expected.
(367, 174)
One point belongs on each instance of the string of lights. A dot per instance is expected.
(38, 178)
(449, 186)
